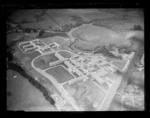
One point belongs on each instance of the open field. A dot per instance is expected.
(95, 93)
(56, 39)
(13, 36)
(87, 91)
(60, 74)
(95, 35)
(27, 58)
(65, 54)
(33, 55)
(24, 96)
(42, 62)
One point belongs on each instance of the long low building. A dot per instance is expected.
(29, 50)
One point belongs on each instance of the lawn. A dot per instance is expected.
(60, 74)
(43, 61)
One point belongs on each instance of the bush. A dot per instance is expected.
(137, 27)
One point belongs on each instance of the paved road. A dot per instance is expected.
(130, 69)
(110, 95)
(59, 87)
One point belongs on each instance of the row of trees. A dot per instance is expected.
(137, 27)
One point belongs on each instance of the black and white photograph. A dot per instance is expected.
(75, 59)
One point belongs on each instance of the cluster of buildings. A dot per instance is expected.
(87, 65)
(31, 46)
(82, 65)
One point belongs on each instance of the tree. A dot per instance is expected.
(137, 27)
(41, 33)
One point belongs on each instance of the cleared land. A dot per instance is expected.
(43, 61)
(60, 74)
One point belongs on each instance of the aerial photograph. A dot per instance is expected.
(75, 59)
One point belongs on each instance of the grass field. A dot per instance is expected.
(24, 96)
(60, 74)
(65, 54)
(43, 61)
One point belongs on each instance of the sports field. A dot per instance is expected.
(43, 61)
(65, 54)
(60, 74)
